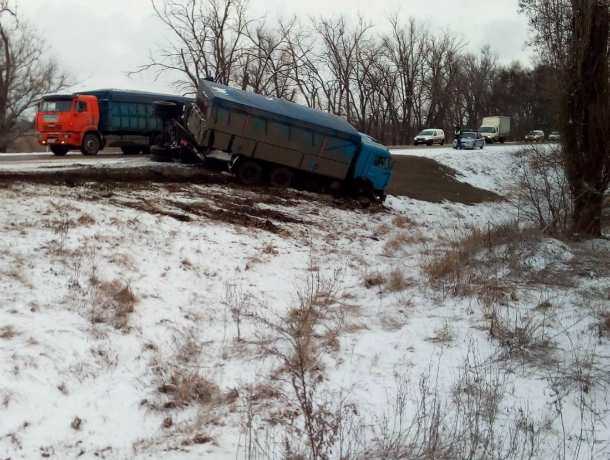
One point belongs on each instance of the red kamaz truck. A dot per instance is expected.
(92, 120)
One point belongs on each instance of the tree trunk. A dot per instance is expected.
(585, 114)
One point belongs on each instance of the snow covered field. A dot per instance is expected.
(164, 321)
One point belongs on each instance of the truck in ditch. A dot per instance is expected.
(495, 129)
(271, 140)
(91, 120)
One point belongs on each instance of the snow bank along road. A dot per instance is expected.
(159, 320)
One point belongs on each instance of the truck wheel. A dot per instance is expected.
(250, 172)
(281, 177)
(91, 144)
(59, 150)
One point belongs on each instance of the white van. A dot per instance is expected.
(495, 129)
(429, 137)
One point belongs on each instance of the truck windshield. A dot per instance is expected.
(56, 106)
(488, 129)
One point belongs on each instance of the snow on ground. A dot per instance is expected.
(69, 162)
(489, 169)
(107, 292)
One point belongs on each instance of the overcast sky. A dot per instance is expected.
(99, 41)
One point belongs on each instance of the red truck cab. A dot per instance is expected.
(69, 122)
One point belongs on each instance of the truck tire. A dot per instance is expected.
(91, 144)
(281, 177)
(59, 150)
(249, 172)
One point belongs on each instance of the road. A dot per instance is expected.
(46, 156)
(115, 153)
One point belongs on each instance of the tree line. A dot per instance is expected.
(26, 73)
(388, 83)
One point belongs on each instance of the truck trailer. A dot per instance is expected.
(275, 141)
(92, 120)
(495, 129)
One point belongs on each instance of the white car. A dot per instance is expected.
(429, 137)
(535, 136)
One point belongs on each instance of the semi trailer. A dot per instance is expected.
(267, 139)
(91, 120)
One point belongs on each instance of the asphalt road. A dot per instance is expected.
(114, 153)
(44, 156)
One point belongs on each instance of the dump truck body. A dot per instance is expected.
(276, 132)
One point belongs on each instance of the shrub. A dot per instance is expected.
(542, 194)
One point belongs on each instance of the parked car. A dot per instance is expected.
(555, 136)
(470, 140)
(535, 136)
(429, 137)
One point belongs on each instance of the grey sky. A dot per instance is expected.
(100, 41)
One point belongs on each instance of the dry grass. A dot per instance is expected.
(86, 220)
(603, 324)
(8, 332)
(522, 337)
(270, 249)
(373, 279)
(16, 268)
(184, 387)
(394, 281)
(186, 264)
(468, 266)
(402, 222)
(397, 242)
(112, 303)
(397, 281)
(443, 334)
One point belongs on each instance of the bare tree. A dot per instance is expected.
(267, 61)
(387, 84)
(478, 76)
(405, 48)
(340, 49)
(208, 40)
(550, 20)
(573, 34)
(25, 73)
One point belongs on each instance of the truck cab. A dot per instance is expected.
(373, 166)
(68, 122)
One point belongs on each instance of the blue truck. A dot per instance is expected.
(271, 140)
